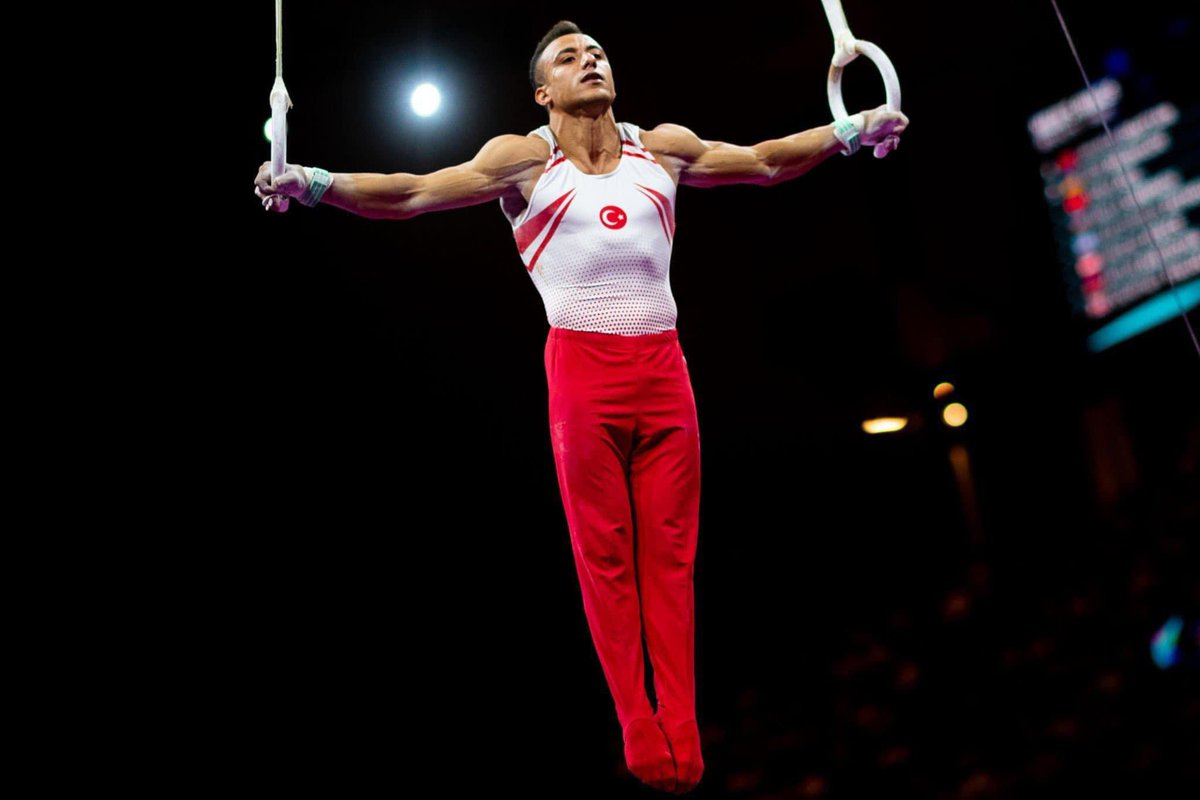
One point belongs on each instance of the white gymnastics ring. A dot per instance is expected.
(845, 49)
(280, 103)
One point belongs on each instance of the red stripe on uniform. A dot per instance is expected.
(549, 235)
(648, 156)
(661, 218)
(637, 155)
(666, 206)
(530, 229)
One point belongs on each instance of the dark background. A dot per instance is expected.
(394, 597)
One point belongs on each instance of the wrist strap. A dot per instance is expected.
(846, 130)
(317, 184)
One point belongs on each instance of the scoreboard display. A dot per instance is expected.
(1125, 209)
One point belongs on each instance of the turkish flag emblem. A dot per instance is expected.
(612, 217)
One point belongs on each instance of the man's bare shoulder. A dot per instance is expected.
(513, 149)
(669, 139)
(518, 160)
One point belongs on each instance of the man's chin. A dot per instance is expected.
(595, 103)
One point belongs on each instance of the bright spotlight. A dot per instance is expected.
(426, 99)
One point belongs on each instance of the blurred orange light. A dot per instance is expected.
(954, 414)
(884, 424)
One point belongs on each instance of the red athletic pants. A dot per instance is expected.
(626, 446)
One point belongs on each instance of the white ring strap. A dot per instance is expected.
(280, 103)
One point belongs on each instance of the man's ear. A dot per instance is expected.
(541, 96)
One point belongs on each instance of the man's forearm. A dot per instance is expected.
(792, 156)
(371, 194)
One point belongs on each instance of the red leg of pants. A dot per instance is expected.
(627, 451)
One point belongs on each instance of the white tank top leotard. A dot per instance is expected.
(598, 247)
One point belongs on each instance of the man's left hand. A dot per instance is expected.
(882, 128)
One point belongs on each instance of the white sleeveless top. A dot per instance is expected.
(598, 247)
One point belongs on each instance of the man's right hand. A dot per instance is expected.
(275, 193)
(882, 129)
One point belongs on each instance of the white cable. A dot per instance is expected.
(1132, 193)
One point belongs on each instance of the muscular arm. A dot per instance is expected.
(504, 162)
(708, 163)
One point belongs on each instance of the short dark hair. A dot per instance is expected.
(561, 28)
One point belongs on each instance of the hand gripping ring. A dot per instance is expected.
(845, 49)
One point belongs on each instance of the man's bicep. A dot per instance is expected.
(706, 162)
(451, 187)
(498, 166)
(722, 164)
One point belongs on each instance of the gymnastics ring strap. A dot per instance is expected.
(845, 49)
(280, 103)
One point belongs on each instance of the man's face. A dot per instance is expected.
(575, 73)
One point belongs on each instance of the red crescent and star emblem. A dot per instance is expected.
(613, 217)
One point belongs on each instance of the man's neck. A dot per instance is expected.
(593, 139)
